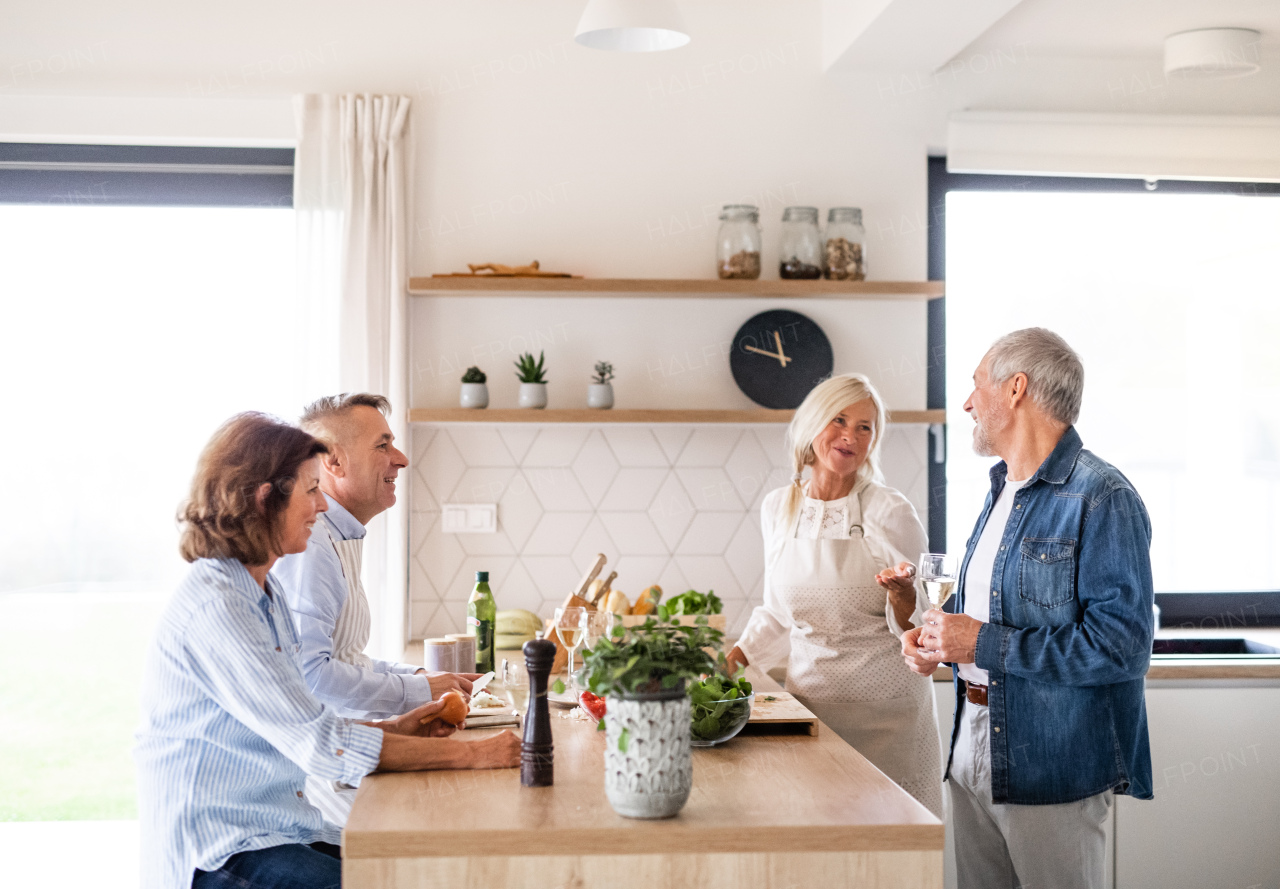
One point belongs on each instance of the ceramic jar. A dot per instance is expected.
(600, 396)
(533, 395)
(474, 395)
(653, 776)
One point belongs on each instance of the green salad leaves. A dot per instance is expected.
(690, 602)
(719, 706)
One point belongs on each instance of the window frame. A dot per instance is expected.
(1208, 609)
(145, 175)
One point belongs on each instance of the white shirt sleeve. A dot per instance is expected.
(766, 641)
(895, 526)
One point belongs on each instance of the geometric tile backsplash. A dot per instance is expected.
(676, 505)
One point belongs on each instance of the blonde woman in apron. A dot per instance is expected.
(833, 608)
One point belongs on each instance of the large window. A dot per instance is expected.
(135, 321)
(1171, 298)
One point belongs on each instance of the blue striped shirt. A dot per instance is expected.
(230, 731)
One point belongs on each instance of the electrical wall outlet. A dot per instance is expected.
(469, 518)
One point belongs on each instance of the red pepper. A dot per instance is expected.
(592, 704)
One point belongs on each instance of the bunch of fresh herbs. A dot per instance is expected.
(690, 602)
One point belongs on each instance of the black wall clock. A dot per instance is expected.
(778, 356)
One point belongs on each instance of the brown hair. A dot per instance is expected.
(221, 518)
(323, 417)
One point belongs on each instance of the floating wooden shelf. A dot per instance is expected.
(676, 287)
(527, 415)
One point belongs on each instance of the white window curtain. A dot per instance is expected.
(350, 201)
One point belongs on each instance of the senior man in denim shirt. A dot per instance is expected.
(1052, 637)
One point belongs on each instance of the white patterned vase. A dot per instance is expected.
(652, 777)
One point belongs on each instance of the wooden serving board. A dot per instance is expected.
(784, 709)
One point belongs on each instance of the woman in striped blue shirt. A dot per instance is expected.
(230, 730)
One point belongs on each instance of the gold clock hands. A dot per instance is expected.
(782, 357)
(763, 352)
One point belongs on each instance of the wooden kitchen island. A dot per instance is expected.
(766, 810)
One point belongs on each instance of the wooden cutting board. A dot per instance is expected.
(783, 709)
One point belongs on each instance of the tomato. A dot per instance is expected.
(592, 704)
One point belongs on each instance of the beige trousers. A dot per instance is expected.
(1006, 846)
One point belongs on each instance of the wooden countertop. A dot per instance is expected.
(759, 793)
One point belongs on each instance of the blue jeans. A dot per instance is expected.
(318, 866)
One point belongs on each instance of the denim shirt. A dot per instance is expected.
(1069, 640)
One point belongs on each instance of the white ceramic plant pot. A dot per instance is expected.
(474, 395)
(533, 395)
(600, 396)
(652, 778)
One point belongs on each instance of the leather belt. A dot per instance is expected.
(975, 693)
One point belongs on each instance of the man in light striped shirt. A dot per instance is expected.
(323, 583)
(230, 730)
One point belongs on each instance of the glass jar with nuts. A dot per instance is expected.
(738, 243)
(843, 257)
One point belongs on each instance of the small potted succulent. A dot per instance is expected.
(600, 392)
(641, 672)
(533, 380)
(474, 392)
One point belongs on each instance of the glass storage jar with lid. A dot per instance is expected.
(844, 257)
(801, 244)
(738, 244)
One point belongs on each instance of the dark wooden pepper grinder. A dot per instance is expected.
(536, 751)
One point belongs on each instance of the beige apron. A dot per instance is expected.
(350, 636)
(847, 667)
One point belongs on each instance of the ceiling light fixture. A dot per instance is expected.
(1213, 53)
(631, 26)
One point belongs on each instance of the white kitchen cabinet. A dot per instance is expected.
(1215, 819)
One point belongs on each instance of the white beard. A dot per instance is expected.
(983, 446)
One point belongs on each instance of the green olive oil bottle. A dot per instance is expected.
(482, 614)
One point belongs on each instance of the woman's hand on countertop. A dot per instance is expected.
(401, 754)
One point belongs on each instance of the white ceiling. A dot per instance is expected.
(1121, 28)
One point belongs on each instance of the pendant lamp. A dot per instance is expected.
(1213, 53)
(631, 26)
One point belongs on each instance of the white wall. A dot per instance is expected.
(530, 147)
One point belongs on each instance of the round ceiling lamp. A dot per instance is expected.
(1213, 53)
(631, 26)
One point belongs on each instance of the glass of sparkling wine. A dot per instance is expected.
(939, 572)
(571, 626)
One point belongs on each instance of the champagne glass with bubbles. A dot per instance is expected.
(939, 572)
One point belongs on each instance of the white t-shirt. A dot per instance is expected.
(977, 580)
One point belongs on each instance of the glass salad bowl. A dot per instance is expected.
(717, 715)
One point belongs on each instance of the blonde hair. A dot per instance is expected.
(822, 405)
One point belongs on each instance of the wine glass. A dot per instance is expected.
(571, 626)
(599, 623)
(515, 685)
(939, 572)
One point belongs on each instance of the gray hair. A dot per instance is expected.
(323, 417)
(1055, 375)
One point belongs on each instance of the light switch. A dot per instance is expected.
(469, 518)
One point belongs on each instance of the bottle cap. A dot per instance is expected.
(482, 577)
